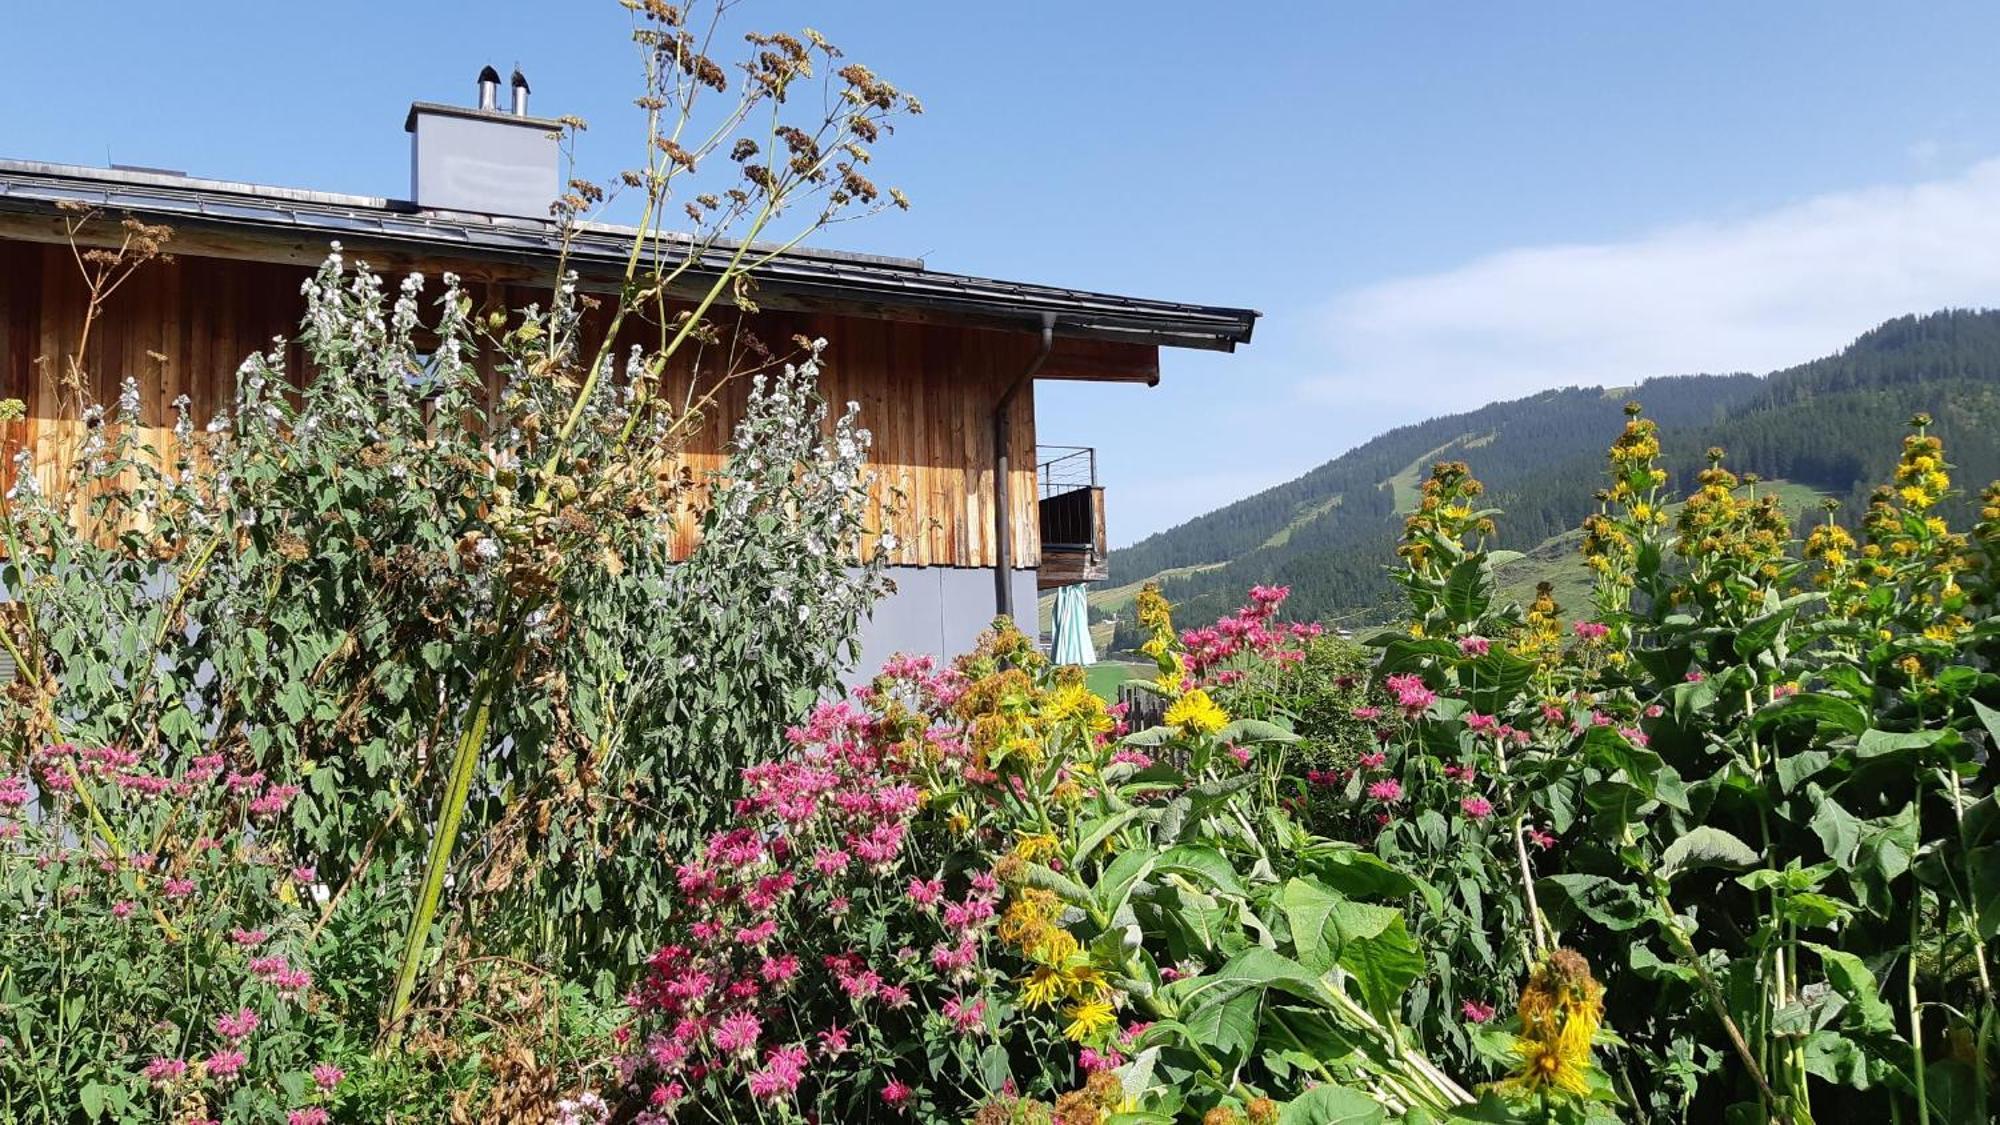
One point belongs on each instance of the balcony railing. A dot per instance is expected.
(1072, 516)
(1065, 468)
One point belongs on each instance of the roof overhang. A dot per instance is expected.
(225, 219)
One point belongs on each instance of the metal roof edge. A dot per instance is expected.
(873, 280)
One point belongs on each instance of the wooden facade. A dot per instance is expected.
(927, 390)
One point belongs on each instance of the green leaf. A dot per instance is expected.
(1603, 900)
(1360, 874)
(1103, 830)
(1468, 590)
(1849, 976)
(1839, 830)
(1254, 730)
(1794, 769)
(1990, 719)
(1202, 864)
(1062, 886)
(1115, 885)
(1226, 1023)
(92, 1097)
(1705, 846)
(1332, 1105)
(1496, 679)
(1383, 965)
(1880, 743)
(1843, 715)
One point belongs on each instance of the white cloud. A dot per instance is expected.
(1750, 294)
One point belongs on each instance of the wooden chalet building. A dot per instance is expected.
(944, 365)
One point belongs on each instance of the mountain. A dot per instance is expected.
(1826, 428)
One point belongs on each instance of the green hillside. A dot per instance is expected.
(1828, 427)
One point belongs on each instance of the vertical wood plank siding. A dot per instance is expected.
(927, 392)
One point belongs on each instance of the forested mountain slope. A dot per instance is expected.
(1830, 426)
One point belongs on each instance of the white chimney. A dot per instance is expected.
(484, 160)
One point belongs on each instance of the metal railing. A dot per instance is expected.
(1064, 468)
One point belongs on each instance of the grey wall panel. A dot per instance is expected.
(937, 610)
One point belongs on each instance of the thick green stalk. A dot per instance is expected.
(1916, 1016)
(464, 764)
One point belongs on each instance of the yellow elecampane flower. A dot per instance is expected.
(1042, 987)
(1087, 1019)
(1196, 713)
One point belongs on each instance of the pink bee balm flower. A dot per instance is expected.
(737, 1033)
(1241, 755)
(1374, 760)
(1476, 1011)
(1476, 807)
(833, 1042)
(13, 791)
(121, 909)
(311, 1115)
(925, 892)
(178, 888)
(248, 938)
(757, 934)
(1592, 630)
(164, 1070)
(1474, 646)
(305, 874)
(237, 1026)
(1367, 714)
(1387, 789)
(1541, 839)
(1478, 723)
(966, 1017)
(225, 1063)
(327, 1076)
(780, 1076)
(895, 1094)
(1694, 676)
(1411, 694)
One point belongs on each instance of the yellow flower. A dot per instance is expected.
(1034, 846)
(1085, 982)
(1196, 713)
(1560, 1009)
(1041, 987)
(1087, 1019)
(1545, 1065)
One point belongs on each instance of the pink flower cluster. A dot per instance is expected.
(277, 972)
(1253, 630)
(816, 831)
(1411, 694)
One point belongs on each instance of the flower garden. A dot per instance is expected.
(372, 756)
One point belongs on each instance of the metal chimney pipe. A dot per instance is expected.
(489, 89)
(520, 85)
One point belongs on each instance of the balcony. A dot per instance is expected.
(1072, 516)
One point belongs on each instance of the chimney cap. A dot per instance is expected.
(436, 109)
(520, 80)
(488, 74)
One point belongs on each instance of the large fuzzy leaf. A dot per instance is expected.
(1705, 846)
(1332, 1105)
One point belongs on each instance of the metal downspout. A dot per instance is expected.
(1003, 440)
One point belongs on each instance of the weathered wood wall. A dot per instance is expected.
(927, 392)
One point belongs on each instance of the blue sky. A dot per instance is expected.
(1434, 205)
